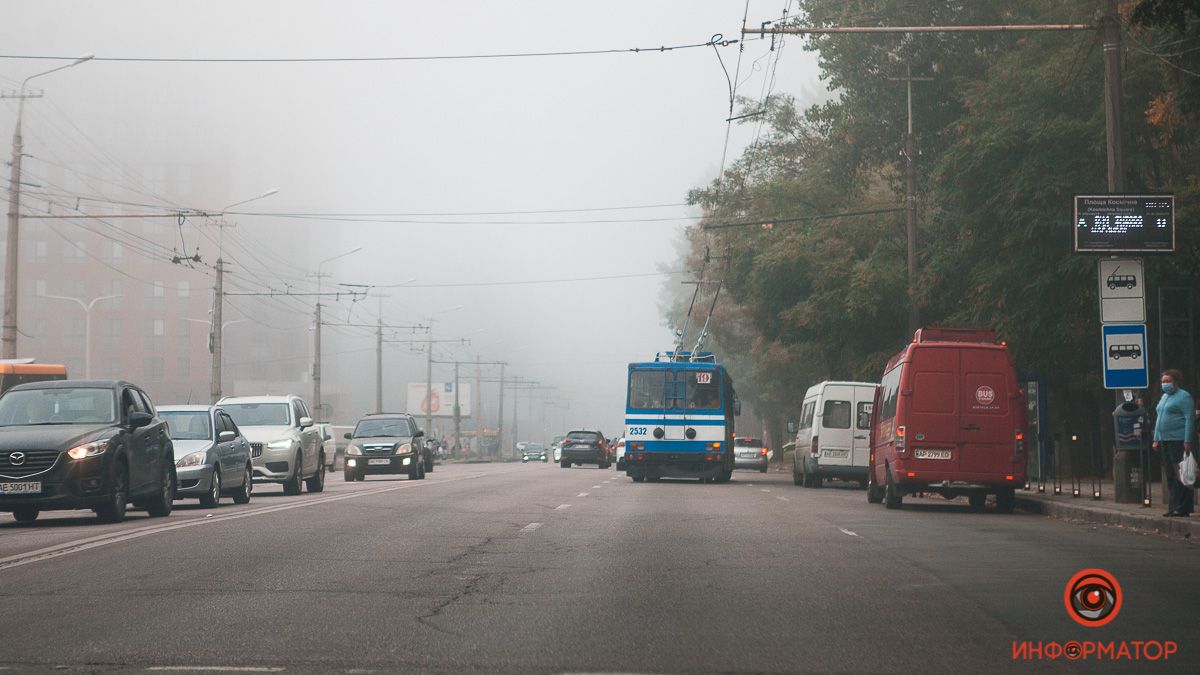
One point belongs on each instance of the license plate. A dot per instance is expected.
(376, 462)
(932, 454)
(31, 488)
(748, 455)
(836, 454)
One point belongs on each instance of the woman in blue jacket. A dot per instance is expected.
(1173, 435)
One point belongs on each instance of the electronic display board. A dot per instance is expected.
(1124, 223)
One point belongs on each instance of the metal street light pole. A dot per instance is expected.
(12, 253)
(87, 327)
(316, 399)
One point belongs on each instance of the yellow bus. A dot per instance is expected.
(17, 372)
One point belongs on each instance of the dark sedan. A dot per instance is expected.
(83, 444)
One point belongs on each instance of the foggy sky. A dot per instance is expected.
(568, 132)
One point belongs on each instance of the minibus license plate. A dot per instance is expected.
(836, 454)
(375, 462)
(933, 454)
(31, 488)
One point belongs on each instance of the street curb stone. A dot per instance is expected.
(1188, 528)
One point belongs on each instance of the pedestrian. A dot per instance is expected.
(1173, 435)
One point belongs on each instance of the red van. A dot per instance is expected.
(949, 418)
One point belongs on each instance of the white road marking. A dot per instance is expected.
(531, 527)
(97, 541)
(845, 531)
(597, 487)
(783, 499)
(765, 490)
(560, 507)
(221, 668)
(582, 494)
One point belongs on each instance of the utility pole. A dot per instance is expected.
(379, 365)
(429, 381)
(457, 409)
(1110, 33)
(316, 374)
(500, 412)
(216, 337)
(478, 407)
(910, 200)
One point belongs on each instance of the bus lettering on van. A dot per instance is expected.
(985, 395)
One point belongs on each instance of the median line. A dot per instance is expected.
(561, 507)
(582, 494)
(79, 545)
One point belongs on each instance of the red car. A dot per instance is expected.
(949, 417)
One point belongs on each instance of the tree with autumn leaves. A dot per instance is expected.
(1010, 127)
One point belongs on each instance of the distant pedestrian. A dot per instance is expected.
(1173, 435)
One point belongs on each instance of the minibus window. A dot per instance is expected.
(864, 415)
(891, 388)
(836, 415)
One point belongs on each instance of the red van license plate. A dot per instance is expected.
(933, 454)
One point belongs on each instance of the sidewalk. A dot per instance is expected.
(1106, 511)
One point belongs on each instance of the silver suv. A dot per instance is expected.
(285, 445)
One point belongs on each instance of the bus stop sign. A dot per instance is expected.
(1125, 357)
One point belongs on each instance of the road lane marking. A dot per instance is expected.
(765, 490)
(222, 669)
(845, 531)
(97, 541)
(783, 499)
(597, 487)
(531, 527)
(560, 507)
(582, 494)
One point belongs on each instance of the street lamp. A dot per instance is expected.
(87, 326)
(316, 399)
(12, 253)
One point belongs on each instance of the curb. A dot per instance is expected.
(1177, 527)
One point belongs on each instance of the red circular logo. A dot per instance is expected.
(1092, 597)
(985, 395)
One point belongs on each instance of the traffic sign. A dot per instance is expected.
(1122, 291)
(1125, 357)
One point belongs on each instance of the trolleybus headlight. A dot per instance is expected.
(659, 432)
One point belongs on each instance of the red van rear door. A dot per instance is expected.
(932, 416)
(986, 405)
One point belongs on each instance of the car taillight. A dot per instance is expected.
(813, 449)
(900, 437)
(633, 447)
(764, 452)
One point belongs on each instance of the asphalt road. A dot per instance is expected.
(531, 568)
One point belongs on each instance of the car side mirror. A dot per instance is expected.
(140, 419)
(737, 407)
(419, 434)
(306, 422)
(347, 435)
(226, 436)
(793, 427)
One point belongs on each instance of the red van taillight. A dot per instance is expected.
(900, 438)
(813, 449)
(1018, 444)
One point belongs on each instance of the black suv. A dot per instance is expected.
(83, 444)
(584, 446)
(385, 443)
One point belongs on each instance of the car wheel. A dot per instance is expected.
(25, 514)
(1006, 500)
(763, 470)
(212, 498)
(292, 485)
(797, 477)
(414, 472)
(429, 463)
(161, 504)
(874, 494)
(317, 482)
(422, 468)
(564, 464)
(242, 496)
(892, 498)
(977, 500)
(113, 511)
(638, 479)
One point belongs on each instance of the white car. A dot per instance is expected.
(285, 445)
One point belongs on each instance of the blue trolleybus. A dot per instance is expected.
(679, 412)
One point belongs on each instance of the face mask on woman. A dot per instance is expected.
(1168, 388)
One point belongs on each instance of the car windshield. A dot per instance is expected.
(535, 447)
(752, 442)
(582, 437)
(89, 405)
(382, 428)
(258, 414)
(188, 425)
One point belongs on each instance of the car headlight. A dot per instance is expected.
(353, 450)
(281, 444)
(88, 450)
(193, 459)
(404, 448)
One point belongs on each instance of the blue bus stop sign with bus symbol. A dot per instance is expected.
(1125, 357)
